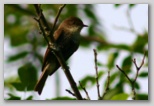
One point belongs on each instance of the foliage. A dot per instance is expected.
(23, 34)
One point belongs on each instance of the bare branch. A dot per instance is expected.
(70, 92)
(56, 19)
(124, 73)
(107, 85)
(138, 68)
(130, 21)
(96, 69)
(137, 72)
(132, 82)
(84, 90)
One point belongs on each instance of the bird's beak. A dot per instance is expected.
(85, 25)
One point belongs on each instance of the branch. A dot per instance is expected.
(48, 35)
(132, 82)
(84, 90)
(137, 72)
(104, 43)
(96, 68)
(56, 19)
(107, 86)
(70, 92)
(124, 74)
(130, 21)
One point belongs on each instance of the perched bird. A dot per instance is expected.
(67, 36)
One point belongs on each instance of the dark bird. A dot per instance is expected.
(67, 36)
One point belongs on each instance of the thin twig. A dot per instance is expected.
(70, 92)
(84, 90)
(56, 19)
(130, 21)
(96, 69)
(138, 68)
(55, 49)
(131, 29)
(137, 72)
(132, 82)
(107, 85)
(124, 74)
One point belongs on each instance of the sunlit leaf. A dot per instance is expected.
(122, 96)
(111, 93)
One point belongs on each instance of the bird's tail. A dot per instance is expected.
(40, 84)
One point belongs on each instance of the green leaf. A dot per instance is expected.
(111, 93)
(99, 63)
(143, 74)
(137, 85)
(142, 96)
(121, 96)
(127, 63)
(29, 98)
(100, 74)
(120, 46)
(89, 80)
(90, 13)
(71, 8)
(18, 35)
(63, 98)
(140, 43)
(113, 77)
(111, 59)
(8, 81)
(131, 5)
(13, 97)
(28, 76)
(18, 86)
(17, 56)
(117, 5)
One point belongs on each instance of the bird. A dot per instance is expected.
(67, 37)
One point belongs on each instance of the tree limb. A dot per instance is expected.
(48, 35)
(96, 68)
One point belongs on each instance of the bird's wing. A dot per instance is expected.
(48, 54)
